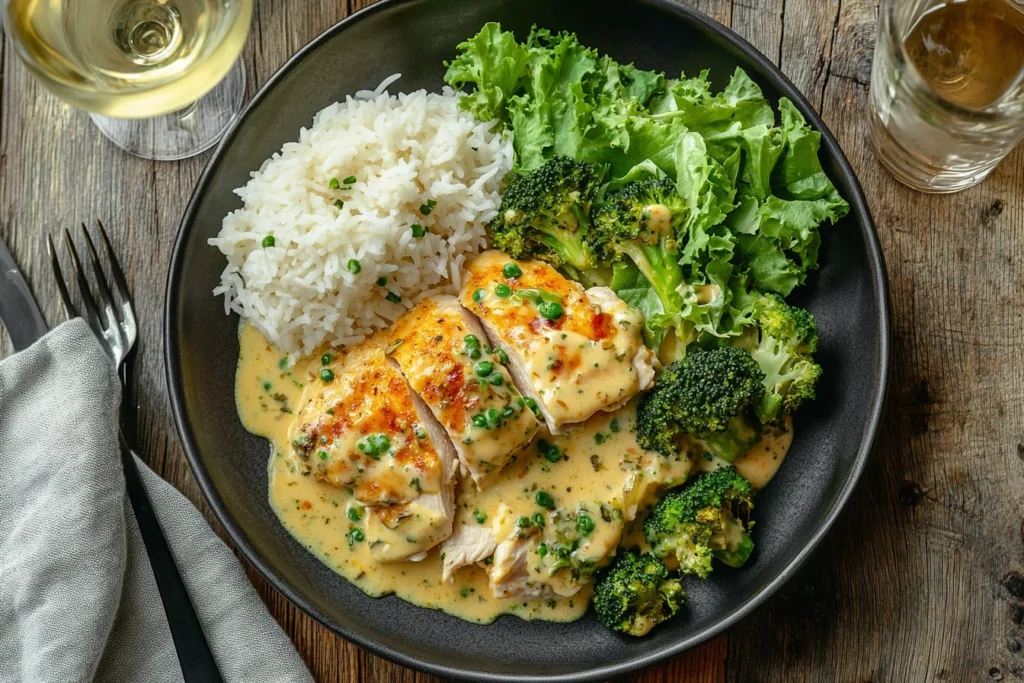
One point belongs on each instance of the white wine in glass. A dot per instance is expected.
(161, 77)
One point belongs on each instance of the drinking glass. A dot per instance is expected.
(160, 78)
(947, 89)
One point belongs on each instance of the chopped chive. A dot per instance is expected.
(334, 184)
(327, 375)
(381, 281)
(349, 180)
(268, 241)
(338, 203)
(431, 203)
(417, 230)
(353, 266)
(393, 298)
(425, 210)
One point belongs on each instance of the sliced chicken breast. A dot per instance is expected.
(573, 352)
(443, 353)
(469, 543)
(360, 427)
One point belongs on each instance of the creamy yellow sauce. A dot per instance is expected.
(599, 472)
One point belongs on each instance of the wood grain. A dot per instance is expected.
(909, 585)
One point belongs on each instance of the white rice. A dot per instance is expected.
(403, 151)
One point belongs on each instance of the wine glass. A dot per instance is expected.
(160, 78)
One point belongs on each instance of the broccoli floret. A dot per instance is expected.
(787, 338)
(544, 214)
(640, 220)
(709, 394)
(637, 593)
(709, 518)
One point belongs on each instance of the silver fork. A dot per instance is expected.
(115, 326)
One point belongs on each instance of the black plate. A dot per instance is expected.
(413, 37)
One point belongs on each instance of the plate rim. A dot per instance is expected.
(879, 278)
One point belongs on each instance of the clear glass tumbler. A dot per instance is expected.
(947, 89)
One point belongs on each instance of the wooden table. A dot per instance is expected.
(909, 586)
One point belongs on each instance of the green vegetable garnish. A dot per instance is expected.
(550, 310)
(268, 241)
(349, 180)
(375, 445)
(417, 230)
(353, 266)
(511, 271)
(327, 375)
(334, 184)
(545, 500)
(503, 291)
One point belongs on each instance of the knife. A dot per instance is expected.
(19, 311)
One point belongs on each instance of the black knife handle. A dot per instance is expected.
(198, 664)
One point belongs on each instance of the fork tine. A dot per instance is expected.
(103, 295)
(88, 303)
(58, 275)
(120, 286)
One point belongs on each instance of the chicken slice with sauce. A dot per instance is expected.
(594, 481)
(573, 352)
(442, 351)
(359, 427)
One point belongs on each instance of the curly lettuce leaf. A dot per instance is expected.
(493, 62)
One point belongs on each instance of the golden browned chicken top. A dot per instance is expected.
(446, 358)
(358, 427)
(576, 351)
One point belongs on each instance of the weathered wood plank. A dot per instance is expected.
(907, 587)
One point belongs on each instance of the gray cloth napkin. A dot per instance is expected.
(78, 601)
